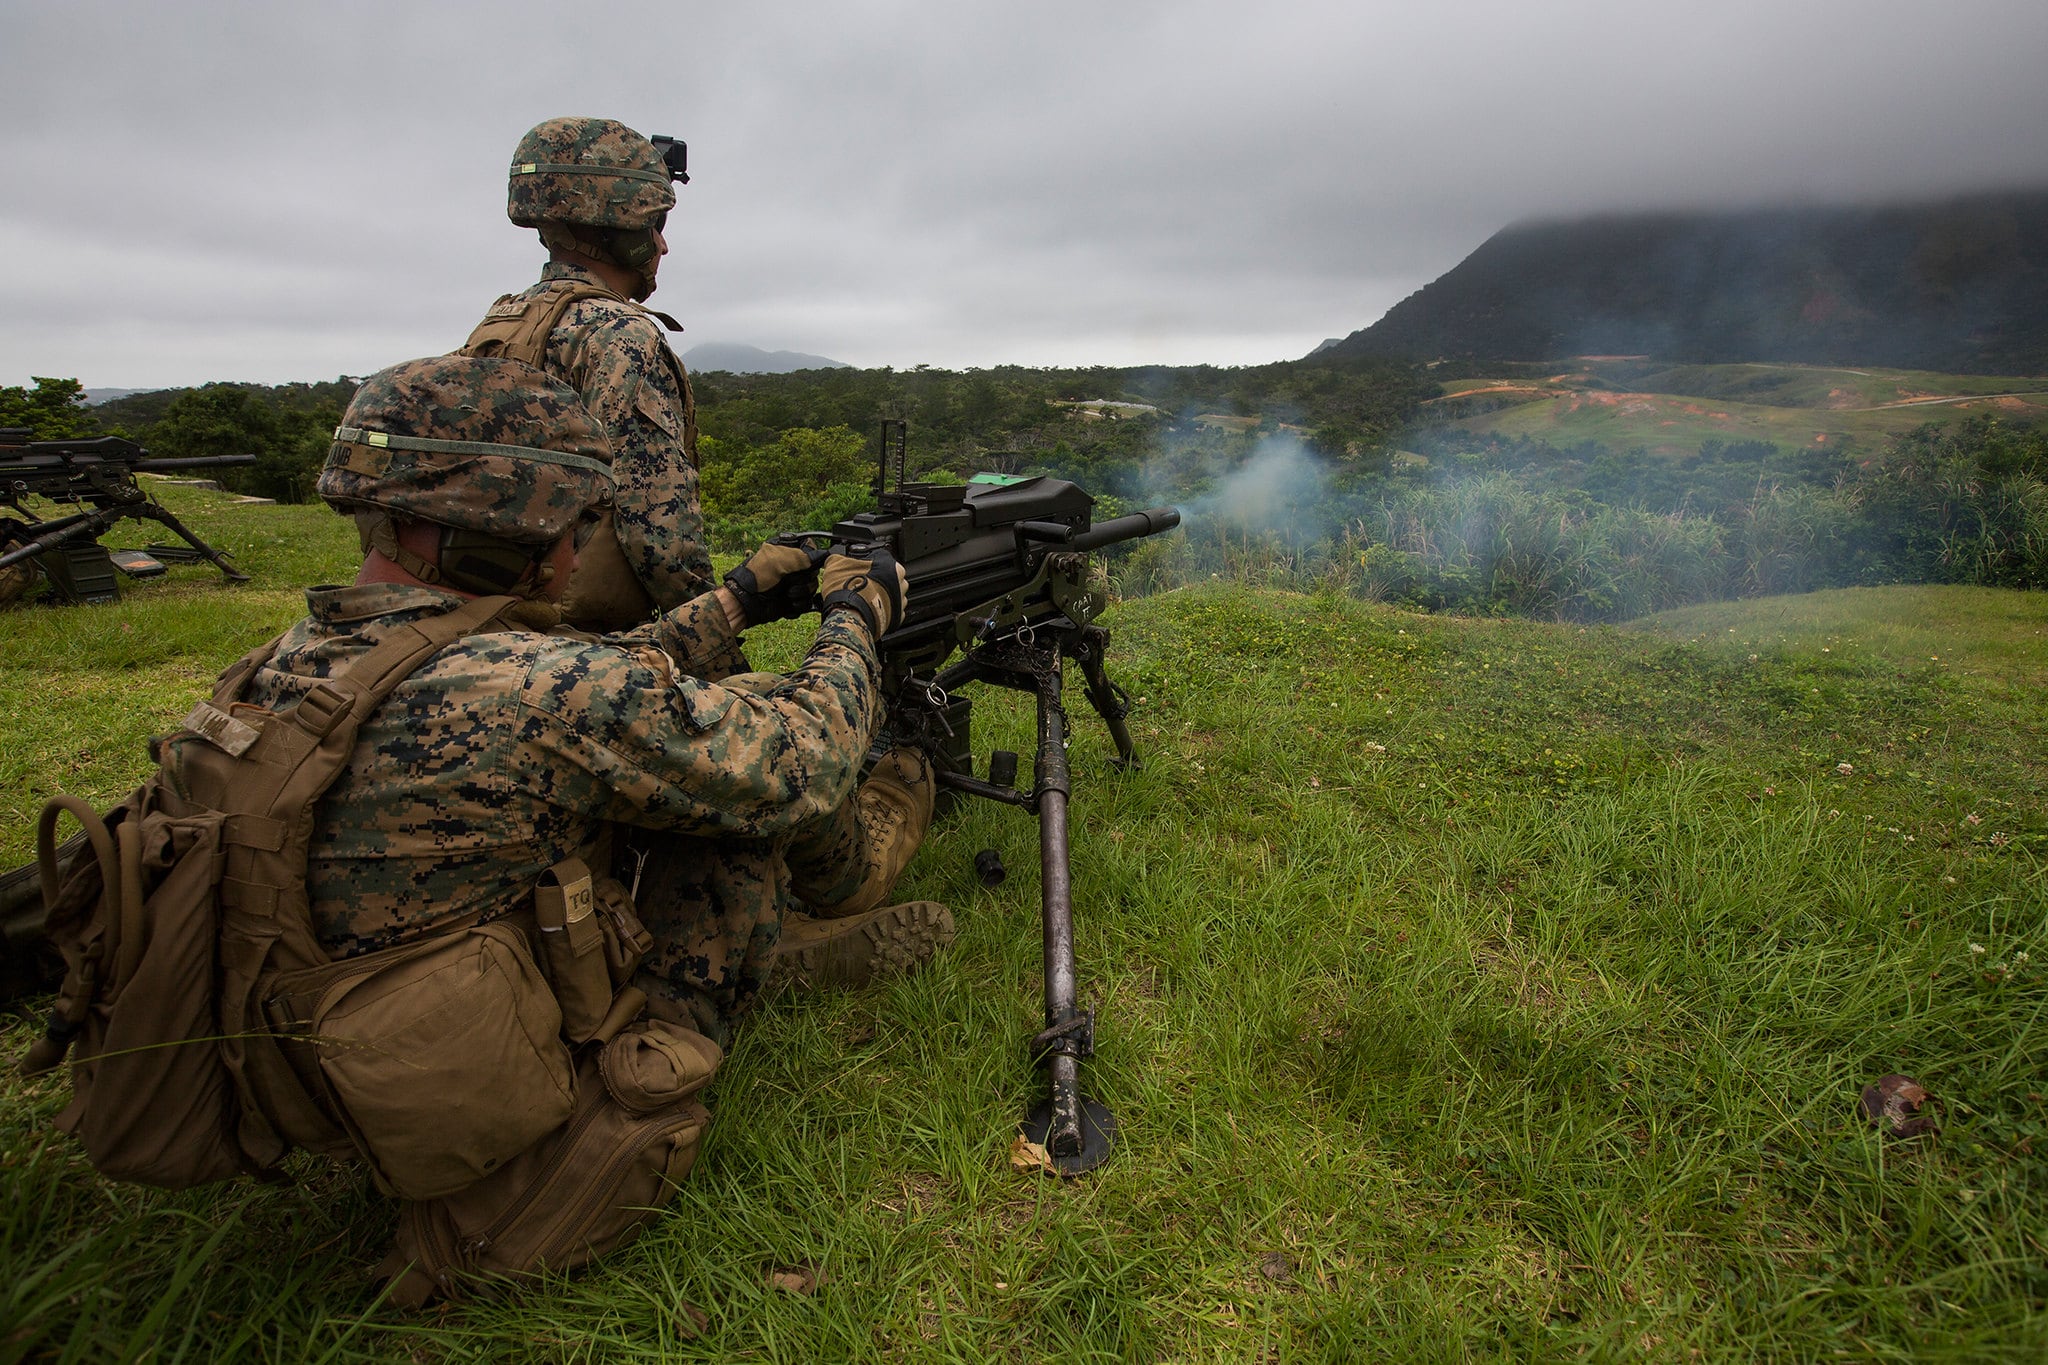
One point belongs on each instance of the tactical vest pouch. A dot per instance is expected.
(626, 940)
(585, 1189)
(572, 947)
(136, 919)
(604, 593)
(444, 1057)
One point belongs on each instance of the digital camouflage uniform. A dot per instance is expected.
(597, 188)
(612, 352)
(510, 752)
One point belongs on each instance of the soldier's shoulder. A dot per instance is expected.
(611, 339)
(596, 686)
(614, 317)
(497, 663)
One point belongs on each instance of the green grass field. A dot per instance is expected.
(1468, 989)
(1673, 409)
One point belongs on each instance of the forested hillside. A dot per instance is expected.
(1517, 492)
(1958, 286)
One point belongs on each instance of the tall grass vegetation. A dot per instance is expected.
(1470, 987)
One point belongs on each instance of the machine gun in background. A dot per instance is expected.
(98, 477)
(999, 574)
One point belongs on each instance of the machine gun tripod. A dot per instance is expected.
(1001, 592)
(1028, 656)
(98, 476)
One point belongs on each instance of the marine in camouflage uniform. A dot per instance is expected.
(510, 752)
(599, 193)
(514, 750)
(613, 354)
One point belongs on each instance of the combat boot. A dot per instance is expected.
(852, 950)
(894, 806)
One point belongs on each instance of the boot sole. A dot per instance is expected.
(893, 941)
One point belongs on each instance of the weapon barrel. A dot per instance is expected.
(195, 462)
(1147, 523)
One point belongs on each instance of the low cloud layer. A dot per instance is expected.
(253, 191)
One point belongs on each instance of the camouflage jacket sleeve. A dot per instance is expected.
(697, 637)
(624, 732)
(614, 356)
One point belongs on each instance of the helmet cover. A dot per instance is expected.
(590, 172)
(476, 443)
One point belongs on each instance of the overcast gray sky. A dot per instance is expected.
(273, 191)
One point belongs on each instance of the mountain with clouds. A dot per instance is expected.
(722, 355)
(1959, 285)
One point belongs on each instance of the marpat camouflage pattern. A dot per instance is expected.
(592, 171)
(511, 452)
(511, 751)
(614, 355)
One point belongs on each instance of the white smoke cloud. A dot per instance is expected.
(1281, 489)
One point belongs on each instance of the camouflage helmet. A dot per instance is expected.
(590, 172)
(476, 444)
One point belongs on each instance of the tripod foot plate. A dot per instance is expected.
(1098, 1132)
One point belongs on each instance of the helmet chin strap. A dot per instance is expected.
(631, 249)
(469, 562)
(378, 531)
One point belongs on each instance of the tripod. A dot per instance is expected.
(1076, 1132)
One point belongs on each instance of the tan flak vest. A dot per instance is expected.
(604, 594)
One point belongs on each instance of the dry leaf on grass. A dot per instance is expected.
(1895, 1103)
(1276, 1266)
(1026, 1155)
(690, 1321)
(797, 1279)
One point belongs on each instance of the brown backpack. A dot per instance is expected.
(193, 893)
(211, 1033)
(583, 1190)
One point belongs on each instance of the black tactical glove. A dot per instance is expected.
(777, 582)
(876, 586)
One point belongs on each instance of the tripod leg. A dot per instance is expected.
(1109, 700)
(155, 512)
(1075, 1133)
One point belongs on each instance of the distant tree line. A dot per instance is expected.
(1374, 501)
(792, 449)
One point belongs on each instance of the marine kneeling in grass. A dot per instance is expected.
(448, 984)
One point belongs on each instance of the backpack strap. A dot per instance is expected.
(268, 783)
(518, 328)
(228, 686)
(302, 751)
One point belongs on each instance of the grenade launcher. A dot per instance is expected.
(999, 576)
(96, 476)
